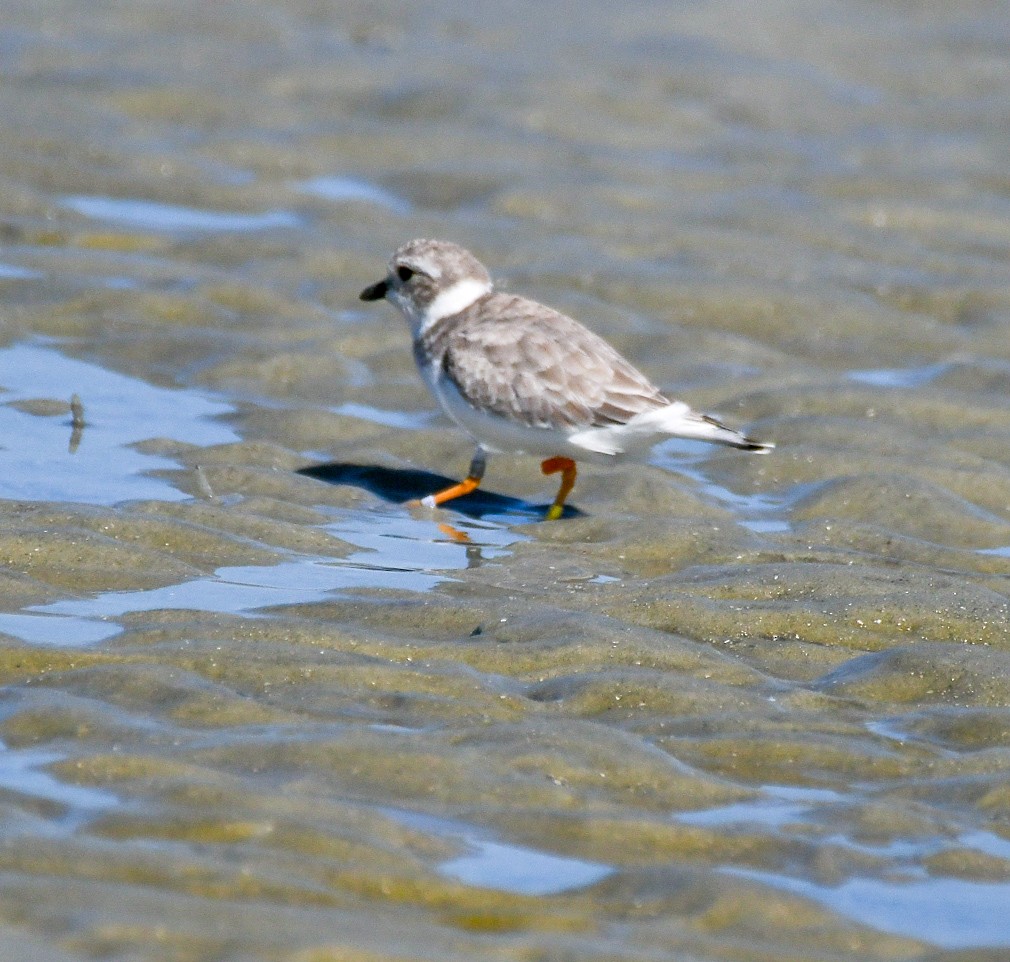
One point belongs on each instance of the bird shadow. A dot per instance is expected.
(400, 485)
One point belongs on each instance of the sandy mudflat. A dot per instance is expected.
(257, 707)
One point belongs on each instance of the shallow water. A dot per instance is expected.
(256, 705)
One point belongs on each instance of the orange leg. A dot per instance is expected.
(468, 484)
(567, 468)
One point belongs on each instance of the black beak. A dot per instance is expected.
(376, 292)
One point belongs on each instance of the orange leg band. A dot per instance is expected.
(567, 468)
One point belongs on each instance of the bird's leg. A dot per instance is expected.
(567, 468)
(477, 467)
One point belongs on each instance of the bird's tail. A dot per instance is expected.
(679, 421)
(674, 420)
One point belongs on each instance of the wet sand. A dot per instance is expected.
(255, 705)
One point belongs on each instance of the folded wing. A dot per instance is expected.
(543, 369)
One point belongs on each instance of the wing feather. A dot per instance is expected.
(541, 368)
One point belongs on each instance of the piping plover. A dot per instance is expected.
(518, 376)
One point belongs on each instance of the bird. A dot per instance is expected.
(520, 377)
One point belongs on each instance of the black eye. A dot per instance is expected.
(404, 273)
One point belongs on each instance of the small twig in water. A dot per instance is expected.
(77, 423)
(77, 412)
(203, 484)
